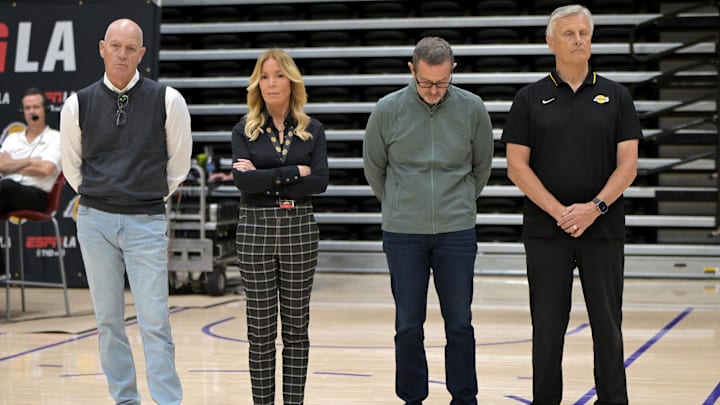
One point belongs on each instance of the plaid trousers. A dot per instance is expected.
(277, 253)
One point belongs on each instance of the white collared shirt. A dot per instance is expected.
(46, 147)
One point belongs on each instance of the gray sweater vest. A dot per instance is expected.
(124, 167)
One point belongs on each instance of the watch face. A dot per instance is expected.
(602, 206)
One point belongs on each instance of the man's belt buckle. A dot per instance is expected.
(285, 203)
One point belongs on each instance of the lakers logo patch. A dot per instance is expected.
(601, 99)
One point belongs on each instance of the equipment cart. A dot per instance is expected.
(201, 237)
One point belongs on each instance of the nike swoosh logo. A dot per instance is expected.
(548, 100)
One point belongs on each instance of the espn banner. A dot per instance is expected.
(54, 45)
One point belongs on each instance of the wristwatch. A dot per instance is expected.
(601, 206)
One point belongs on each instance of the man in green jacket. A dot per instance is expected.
(427, 156)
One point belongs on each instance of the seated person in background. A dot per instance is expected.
(30, 159)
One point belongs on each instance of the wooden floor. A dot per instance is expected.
(672, 345)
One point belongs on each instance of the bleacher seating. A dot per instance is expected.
(352, 53)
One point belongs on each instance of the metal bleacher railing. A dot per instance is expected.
(705, 90)
(498, 257)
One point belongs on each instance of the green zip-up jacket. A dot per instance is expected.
(428, 164)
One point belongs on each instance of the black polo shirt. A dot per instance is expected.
(573, 139)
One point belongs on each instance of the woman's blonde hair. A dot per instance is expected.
(255, 118)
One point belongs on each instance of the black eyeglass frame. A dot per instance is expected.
(439, 85)
(120, 115)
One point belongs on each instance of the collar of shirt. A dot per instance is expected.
(289, 121)
(130, 85)
(590, 78)
(37, 140)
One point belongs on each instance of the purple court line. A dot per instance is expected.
(577, 329)
(48, 346)
(207, 329)
(641, 350)
(80, 375)
(336, 373)
(714, 395)
(71, 340)
(333, 373)
(523, 400)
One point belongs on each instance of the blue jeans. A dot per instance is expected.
(451, 256)
(111, 245)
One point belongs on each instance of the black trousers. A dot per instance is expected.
(550, 265)
(277, 254)
(15, 196)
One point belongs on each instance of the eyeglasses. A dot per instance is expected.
(439, 85)
(120, 115)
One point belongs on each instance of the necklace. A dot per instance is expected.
(281, 148)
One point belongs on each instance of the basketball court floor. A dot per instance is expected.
(671, 329)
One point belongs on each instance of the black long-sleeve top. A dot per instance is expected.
(273, 179)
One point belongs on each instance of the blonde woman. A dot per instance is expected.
(279, 161)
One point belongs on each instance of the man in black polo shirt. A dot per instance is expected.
(572, 148)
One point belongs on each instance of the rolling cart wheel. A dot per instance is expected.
(216, 282)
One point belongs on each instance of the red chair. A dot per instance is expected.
(36, 216)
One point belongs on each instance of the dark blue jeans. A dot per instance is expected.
(451, 256)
